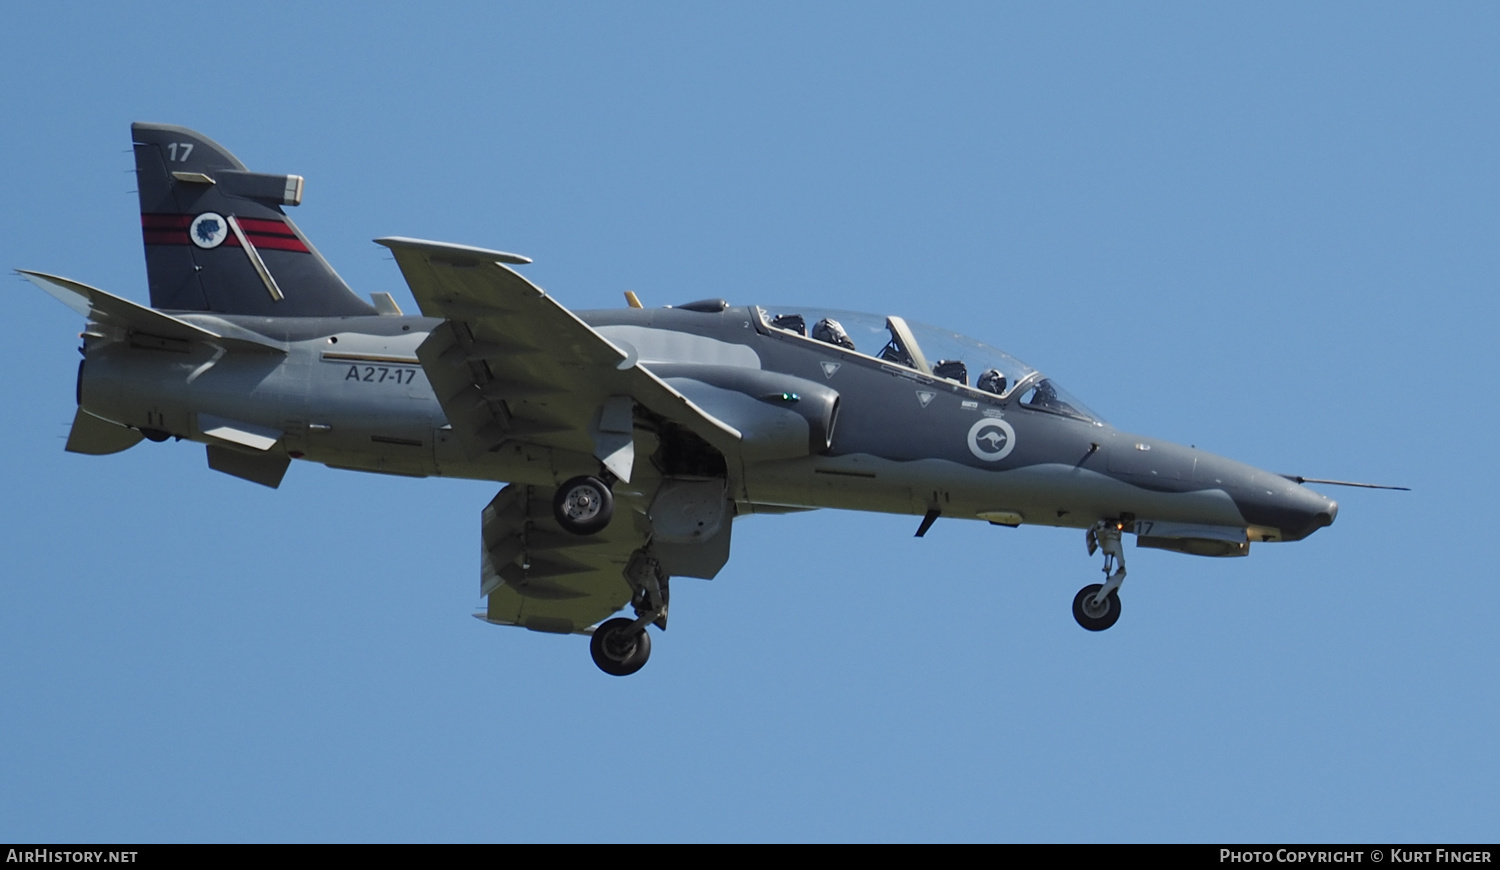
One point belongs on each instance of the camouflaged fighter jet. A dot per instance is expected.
(630, 439)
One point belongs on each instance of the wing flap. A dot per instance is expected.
(540, 577)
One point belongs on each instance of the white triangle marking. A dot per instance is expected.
(925, 397)
(829, 368)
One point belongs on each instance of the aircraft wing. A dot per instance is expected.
(540, 577)
(511, 364)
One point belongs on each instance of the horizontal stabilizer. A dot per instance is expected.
(110, 310)
(95, 437)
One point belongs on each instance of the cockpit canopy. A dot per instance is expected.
(937, 353)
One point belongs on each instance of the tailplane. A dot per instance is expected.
(217, 238)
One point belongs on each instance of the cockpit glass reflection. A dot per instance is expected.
(932, 351)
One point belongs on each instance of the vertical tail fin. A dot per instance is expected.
(217, 239)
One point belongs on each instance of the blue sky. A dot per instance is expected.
(1269, 231)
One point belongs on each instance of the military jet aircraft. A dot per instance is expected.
(630, 439)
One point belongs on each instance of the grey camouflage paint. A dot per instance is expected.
(318, 372)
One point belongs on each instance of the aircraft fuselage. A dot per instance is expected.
(350, 393)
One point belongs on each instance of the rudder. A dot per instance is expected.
(217, 239)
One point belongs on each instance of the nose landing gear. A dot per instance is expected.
(1097, 606)
(1093, 613)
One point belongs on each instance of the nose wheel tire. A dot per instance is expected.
(617, 650)
(1096, 617)
(583, 505)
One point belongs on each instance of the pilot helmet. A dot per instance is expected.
(831, 331)
(992, 382)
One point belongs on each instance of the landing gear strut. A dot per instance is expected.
(1097, 606)
(621, 646)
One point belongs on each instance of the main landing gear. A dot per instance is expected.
(1097, 606)
(621, 646)
(583, 505)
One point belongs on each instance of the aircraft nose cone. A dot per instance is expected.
(1309, 512)
(1273, 501)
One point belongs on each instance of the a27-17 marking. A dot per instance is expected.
(380, 374)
